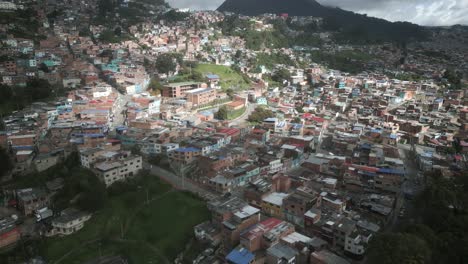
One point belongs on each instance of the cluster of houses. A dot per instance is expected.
(312, 182)
(320, 177)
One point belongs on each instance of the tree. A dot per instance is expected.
(39, 88)
(442, 218)
(5, 93)
(299, 109)
(157, 159)
(297, 120)
(5, 165)
(174, 16)
(118, 31)
(230, 92)
(281, 76)
(260, 114)
(155, 85)
(222, 113)
(390, 248)
(454, 78)
(166, 63)
(43, 68)
(105, 6)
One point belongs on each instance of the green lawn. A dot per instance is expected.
(152, 232)
(228, 77)
(236, 113)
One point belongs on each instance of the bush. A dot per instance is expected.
(260, 114)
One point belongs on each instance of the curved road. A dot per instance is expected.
(243, 118)
(179, 183)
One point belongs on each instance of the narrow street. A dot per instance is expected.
(118, 111)
(179, 183)
(409, 188)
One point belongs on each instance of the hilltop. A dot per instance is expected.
(352, 27)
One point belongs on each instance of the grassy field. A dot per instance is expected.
(236, 113)
(228, 77)
(152, 233)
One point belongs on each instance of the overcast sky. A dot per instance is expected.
(423, 12)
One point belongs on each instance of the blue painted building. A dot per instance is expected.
(240, 256)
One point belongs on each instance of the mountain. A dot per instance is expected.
(352, 27)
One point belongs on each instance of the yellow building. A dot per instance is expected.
(272, 204)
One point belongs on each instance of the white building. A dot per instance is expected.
(153, 148)
(69, 222)
(154, 107)
(90, 156)
(118, 170)
(356, 243)
(7, 5)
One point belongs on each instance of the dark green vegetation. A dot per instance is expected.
(440, 232)
(351, 27)
(254, 40)
(5, 164)
(453, 78)
(260, 114)
(224, 113)
(22, 23)
(113, 36)
(80, 185)
(141, 232)
(17, 97)
(281, 75)
(270, 60)
(167, 62)
(347, 61)
(174, 16)
(142, 219)
(279, 36)
(134, 12)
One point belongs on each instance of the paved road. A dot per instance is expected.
(118, 111)
(179, 183)
(243, 118)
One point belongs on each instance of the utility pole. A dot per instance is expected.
(147, 196)
(121, 229)
(182, 174)
(183, 180)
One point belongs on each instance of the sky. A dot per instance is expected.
(422, 12)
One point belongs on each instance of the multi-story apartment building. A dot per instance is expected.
(298, 203)
(272, 204)
(175, 90)
(184, 155)
(201, 96)
(118, 170)
(30, 200)
(232, 216)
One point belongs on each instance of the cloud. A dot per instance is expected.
(196, 4)
(423, 12)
